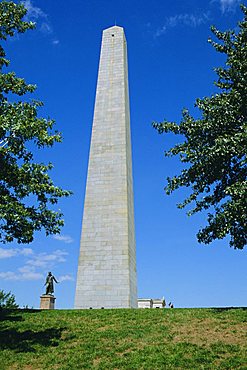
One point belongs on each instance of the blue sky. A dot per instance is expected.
(170, 65)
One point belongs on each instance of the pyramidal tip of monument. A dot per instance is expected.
(115, 27)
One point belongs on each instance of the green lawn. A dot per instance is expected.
(124, 339)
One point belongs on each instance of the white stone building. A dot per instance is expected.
(151, 303)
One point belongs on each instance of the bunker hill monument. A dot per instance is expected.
(107, 264)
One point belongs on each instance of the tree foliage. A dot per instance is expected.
(7, 301)
(214, 146)
(26, 190)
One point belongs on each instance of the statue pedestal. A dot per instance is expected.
(47, 302)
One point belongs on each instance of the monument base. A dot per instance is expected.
(47, 302)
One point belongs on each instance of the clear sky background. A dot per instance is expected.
(170, 65)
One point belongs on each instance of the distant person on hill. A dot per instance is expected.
(171, 305)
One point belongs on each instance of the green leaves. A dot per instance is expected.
(10, 83)
(26, 190)
(215, 146)
(11, 22)
(7, 301)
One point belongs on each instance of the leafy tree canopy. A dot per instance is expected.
(214, 146)
(26, 190)
(7, 300)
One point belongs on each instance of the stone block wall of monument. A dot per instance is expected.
(107, 263)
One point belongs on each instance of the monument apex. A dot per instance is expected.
(107, 264)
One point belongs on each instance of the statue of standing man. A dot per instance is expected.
(49, 283)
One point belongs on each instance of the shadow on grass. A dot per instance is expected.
(26, 341)
(14, 314)
(222, 309)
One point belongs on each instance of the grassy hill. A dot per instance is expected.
(124, 339)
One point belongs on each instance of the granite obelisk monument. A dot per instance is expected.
(107, 264)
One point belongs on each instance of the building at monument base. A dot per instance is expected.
(145, 303)
(159, 303)
(106, 274)
(151, 303)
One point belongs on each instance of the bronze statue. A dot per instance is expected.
(49, 283)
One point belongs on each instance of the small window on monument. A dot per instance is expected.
(112, 35)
